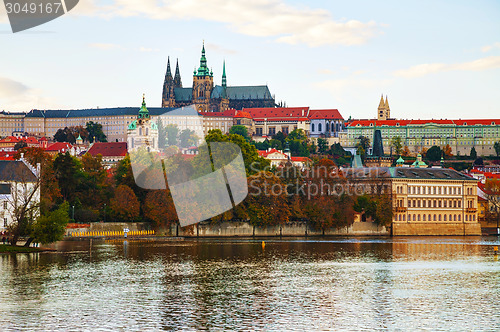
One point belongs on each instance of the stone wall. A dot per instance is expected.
(428, 228)
(244, 229)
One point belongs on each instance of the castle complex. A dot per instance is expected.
(208, 97)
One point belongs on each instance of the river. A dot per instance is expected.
(415, 283)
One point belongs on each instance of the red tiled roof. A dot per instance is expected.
(265, 153)
(303, 159)
(279, 113)
(242, 114)
(59, 146)
(227, 113)
(7, 155)
(109, 149)
(467, 122)
(325, 114)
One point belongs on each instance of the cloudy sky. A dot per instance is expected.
(434, 59)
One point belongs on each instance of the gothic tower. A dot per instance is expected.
(384, 112)
(177, 77)
(203, 83)
(168, 96)
(224, 103)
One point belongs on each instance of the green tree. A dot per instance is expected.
(20, 145)
(95, 132)
(397, 145)
(240, 130)
(276, 144)
(473, 153)
(322, 145)
(162, 135)
(363, 146)
(262, 145)
(187, 138)
(51, 226)
(172, 133)
(297, 134)
(337, 150)
(496, 146)
(434, 153)
(280, 137)
(66, 172)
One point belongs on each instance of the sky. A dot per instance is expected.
(433, 59)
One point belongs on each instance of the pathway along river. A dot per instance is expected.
(295, 284)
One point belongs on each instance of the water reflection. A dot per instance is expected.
(295, 284)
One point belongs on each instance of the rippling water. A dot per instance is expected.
(327, 284)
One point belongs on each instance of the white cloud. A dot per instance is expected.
(491, 62)
(105, 46)
(261, 18)
(16, 96)
(220, 49)
(147, 49)
(488, 48)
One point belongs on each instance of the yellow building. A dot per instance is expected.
(434, 201)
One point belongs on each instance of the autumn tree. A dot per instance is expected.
(406, 151)
(159, 208)
(266, 202)
(125, 205)
(447, 151)
(172, 132)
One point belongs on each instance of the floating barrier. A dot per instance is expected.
(111, 233)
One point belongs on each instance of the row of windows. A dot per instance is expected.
(435, 190)
(437, 203)
(434, 217)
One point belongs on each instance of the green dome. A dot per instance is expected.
(132, 125)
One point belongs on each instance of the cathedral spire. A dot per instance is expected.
(381, 104)
(224, 83)
(169, 72)
(387, 103)
(203, 70)
(177, 77)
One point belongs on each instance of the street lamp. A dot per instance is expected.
(73, 213)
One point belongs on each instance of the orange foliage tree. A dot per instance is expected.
(125, 205)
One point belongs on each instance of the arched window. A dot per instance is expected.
(429, 217)
(466, 218)
(312, 127)
(439, 217)
(435, 217)
(319, 127)
(418, 218)
(327, 127)
(444, 217)
(414, 217)
(459, 218)
(404, 217)
(450, 218)
(423, 217)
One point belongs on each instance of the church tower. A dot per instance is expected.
(168, 96)
(203, 83)
(177, 77)
(224, 103)
(384, 111)
(143, 132)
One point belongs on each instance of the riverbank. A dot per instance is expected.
(7, 248)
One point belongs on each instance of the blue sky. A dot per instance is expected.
(434, 59)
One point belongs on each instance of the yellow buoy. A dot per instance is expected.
(263, 245)
(495, 248)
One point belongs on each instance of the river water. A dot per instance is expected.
(415, 283)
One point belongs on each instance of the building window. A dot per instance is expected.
(439, 217)
(272, 131)
(319, 127)
(435, 217)
(423, 217)
(258, 131)
(312, 127)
